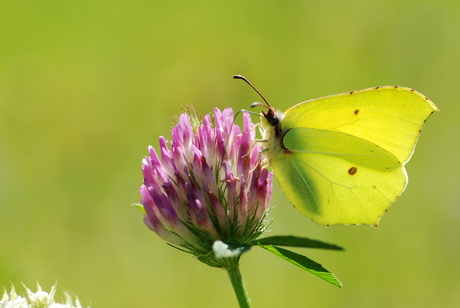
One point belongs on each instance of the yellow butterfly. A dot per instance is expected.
(340, 159)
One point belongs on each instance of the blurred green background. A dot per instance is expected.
(86, 86)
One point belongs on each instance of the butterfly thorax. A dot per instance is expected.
(272, 134)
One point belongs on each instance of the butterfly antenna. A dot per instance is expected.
(254, 88)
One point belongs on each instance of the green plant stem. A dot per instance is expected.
(238, 285)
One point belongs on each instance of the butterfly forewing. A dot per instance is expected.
(390, 117)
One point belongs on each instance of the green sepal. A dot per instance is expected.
(304, 263)
(294, 241)
(140, 207)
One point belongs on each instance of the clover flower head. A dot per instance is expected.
(207, 184)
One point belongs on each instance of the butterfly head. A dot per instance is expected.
(272, 117)
(271, 123)
(270, 120)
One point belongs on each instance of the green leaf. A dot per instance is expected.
(294, 241)
(304, 263)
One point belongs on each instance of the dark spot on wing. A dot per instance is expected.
(356, 111)
(352, 170)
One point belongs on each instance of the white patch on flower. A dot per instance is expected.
(222, 250)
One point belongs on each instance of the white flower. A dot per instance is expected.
(39, 299)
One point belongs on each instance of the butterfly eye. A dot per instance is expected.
(272, 119)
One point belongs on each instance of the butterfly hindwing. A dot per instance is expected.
(336, 178)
